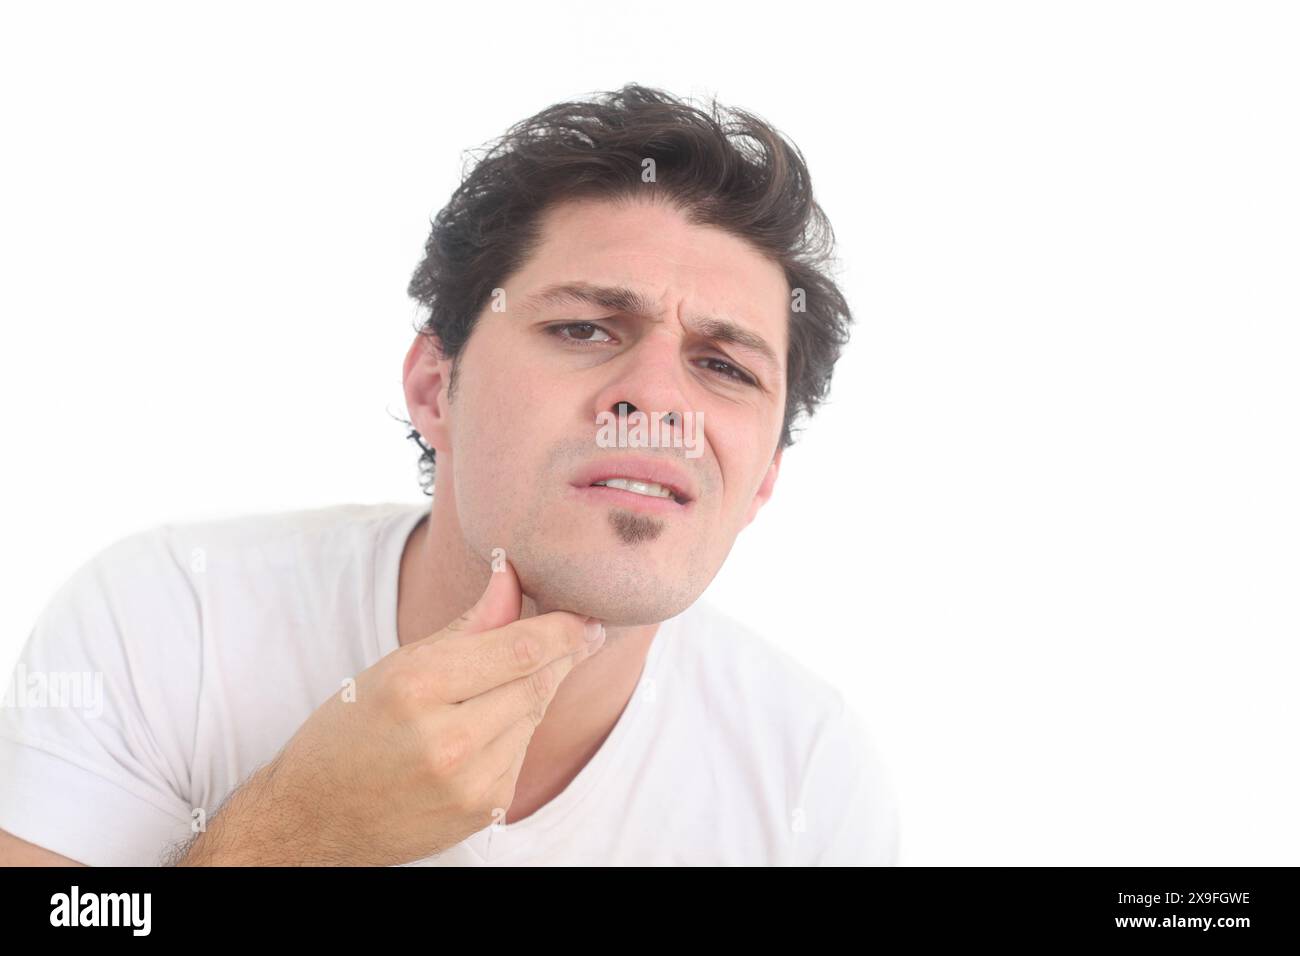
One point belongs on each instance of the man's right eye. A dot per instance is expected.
(589, 327)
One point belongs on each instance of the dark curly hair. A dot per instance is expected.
(724, 168)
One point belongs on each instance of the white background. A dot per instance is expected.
(1045, 534)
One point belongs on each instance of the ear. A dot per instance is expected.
(425, 377)
(765, 489)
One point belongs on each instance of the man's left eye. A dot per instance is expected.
(732, 371)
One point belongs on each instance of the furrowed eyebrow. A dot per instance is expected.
(631, 302)
(722, 330)
(607, 297)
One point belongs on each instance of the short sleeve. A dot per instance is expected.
(97, 721)
(849, 807)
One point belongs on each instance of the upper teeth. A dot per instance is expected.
(637, 487)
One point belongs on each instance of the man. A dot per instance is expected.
(521, 673)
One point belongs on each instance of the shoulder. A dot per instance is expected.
(152, 585)
(837, 798)
(138, 578)
(176, 546)
(267, 533)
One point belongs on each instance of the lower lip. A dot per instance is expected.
(617, 497)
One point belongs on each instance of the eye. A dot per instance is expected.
(556, 330)
(727, 370)
(731, 371)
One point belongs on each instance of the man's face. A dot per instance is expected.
(522, 433)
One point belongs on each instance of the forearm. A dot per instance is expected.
(252, 828)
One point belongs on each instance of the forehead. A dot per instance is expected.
(654, 250)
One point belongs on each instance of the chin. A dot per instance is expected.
(617, 599)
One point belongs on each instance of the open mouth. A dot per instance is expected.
(649, 489)
(639, 482)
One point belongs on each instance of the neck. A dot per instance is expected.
(440, 577)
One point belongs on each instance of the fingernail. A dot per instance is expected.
(595, 630)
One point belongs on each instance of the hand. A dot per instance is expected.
(429, 748)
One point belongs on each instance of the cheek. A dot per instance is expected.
(509, 384)
(743, 470)
(502, 425)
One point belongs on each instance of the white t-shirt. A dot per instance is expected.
(179, 660)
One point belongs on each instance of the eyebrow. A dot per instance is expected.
(631, 302)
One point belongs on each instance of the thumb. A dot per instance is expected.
(499, 605)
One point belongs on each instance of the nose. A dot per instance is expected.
(625, 409)
(646, 378)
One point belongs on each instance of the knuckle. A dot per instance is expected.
(526, 650)
(540, 685)
(448, 753)
(527, 725)
(411, 684)
(403, 696)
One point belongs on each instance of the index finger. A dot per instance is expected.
(470, 664)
